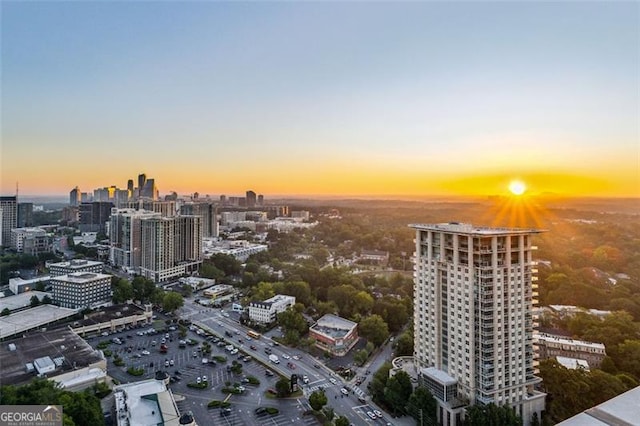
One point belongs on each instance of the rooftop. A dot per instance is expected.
(76, 264)
(467, 228)
(107, 313)
(28, 319)
(57, 343)
(566, 340)
(81, 277)
(20, 300)
(439, 375)
(621, 410)
(333, 326)
(147, 402)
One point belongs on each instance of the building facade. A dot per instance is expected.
(75, 197)
(125, 236)
(209, 214)
(93, 216)
(81, 290)
(474, 292)
(552, 346)
(266, 312)
(25, 215)
(32, 241)
(8, 218)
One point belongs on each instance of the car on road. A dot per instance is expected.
(344, 391)
(316, 365)
(370, 414)
(285, 356)
(198, 380)
(268, 373)
(362, 399)
(305, 379)
(195, 354)
(377, 413)
(145, 352)
(297, 358)
(246, 358)
(332, 380)
(166, 362)
(291, 365)
(253, 347)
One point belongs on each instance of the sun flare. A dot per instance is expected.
(517, 187)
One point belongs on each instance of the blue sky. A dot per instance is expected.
(322, 97)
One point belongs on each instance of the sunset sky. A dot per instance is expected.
(321, 98)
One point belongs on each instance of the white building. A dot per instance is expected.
(474, 292)
(265, 312)
(240, 249)
(148, 402)
(30, 240)
(74, 266)
(81, 290)
(19, 285)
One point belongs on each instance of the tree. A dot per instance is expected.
(122, 291)
(317, 400)
(491, 415)
(374, 329)
(422, 406)
(378, 382)
(263, 291)
(5, 312)
(362, 303)
(397, 391)
(34, 301)
(226, 263)
(342, 421)
(283, 387)
(361, 357)
(209, 270)
(404, 344)
(46, 300)
(172, 301)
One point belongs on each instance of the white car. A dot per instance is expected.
(296, 357)
(146, 353)
(332, 380)
(285, 356)
(198, 380)
(344, 391)
(369, 413)
(204, 379)
(171, 362)
(377, 413)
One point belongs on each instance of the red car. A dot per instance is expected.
(253, 347)
(291, 365)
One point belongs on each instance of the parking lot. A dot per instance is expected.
(141, 348)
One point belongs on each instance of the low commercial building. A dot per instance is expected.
(334, 334)
(75, 266)
(113, 318)
(621, 410)
(58, 354)
(19, 285)
(240, 249)
(148, 402)
(551, 346)
(81, 290)
(266, 312)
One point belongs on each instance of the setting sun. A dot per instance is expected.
(517, 187)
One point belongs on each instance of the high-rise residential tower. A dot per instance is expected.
(8, 218)
(74, 197)
(251, 199)
(474, 292)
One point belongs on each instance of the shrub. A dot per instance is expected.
(135, 371)
(107, 353)
(253, 380)
(201, 385)
(272, 410)
(214, 404)
(220, 358)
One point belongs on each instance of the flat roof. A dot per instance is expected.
(148, 402)
(107, 313)
(439, 375)
(81, 277)
(28, 319)
(333, 326)
(467, 228)
(561, 339)
(20, 300)
(621, 410)
(60, 342)
(76, 264)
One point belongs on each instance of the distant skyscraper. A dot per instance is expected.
(25, 215)
(142, 179)
(474, 294)
(209, 214)
(223, 199)
(75, 197)
(251, 199)
(261, 200)
(93, 216)
(8, 217)
(149, 190)
(130, 187)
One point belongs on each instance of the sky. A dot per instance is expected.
(321, 98)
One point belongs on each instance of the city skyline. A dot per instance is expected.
(416, 99)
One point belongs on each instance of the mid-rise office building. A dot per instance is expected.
(75, 266)
(266, 312)
(81, 290)
(474, 293)
(165, 208)
(334, 334)
(32, 241)
(8, 218)
(552, 346)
